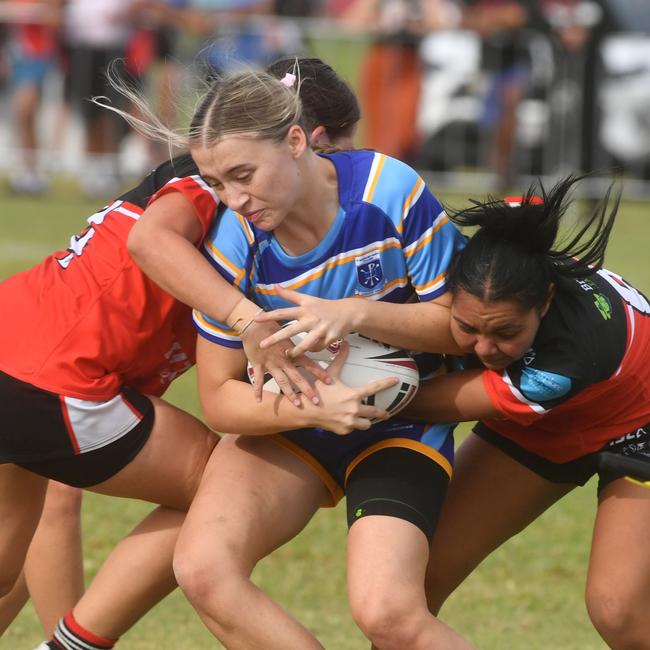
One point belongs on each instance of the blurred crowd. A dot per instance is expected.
(413, 88)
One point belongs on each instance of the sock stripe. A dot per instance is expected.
(72, 636)
(68, 640)
(86, 635)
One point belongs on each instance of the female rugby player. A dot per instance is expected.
(334, 225)
(559, 349)
(562, 349)
(90, 345)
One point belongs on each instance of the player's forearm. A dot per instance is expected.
(233, 409)
(454, 397)
(176, 265)
(414, 326)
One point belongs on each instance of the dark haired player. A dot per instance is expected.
(562, 348)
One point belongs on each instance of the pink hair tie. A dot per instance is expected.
(288, 80)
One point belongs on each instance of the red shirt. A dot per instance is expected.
(37, 39)
(586, 380)
(86, 321)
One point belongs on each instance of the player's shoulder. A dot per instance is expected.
(231, 229)
(182, 166)
(373, 177)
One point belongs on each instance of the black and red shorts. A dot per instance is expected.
(634, 444)
(74, 441)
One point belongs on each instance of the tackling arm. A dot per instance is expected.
(454, 397)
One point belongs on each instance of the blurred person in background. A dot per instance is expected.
(577, 29)
(95, 33)
(501, 25)
(505, 28)
(391, 72)
(32, 54)
(234, 32)
(152, 60)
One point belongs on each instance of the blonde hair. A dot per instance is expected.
(251, 103)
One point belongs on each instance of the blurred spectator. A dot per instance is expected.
(500, 24)
(298, 8)
(151, 60)
(294, 34)
(577, 29)
(391, 71)
(235, 32)
(504, 27)
(95, 33)
(32, 49)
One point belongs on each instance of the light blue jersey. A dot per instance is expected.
(391, 239)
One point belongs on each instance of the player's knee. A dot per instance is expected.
(206, 573)
(189, 570)
(8, 579)
(618, 618)
(386, 622)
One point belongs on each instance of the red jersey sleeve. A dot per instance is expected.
(202, 197)
(509, 400)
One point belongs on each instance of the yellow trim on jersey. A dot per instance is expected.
(424, 287)
(404, 443)
(335, 490)
(238, 274)
(426, 237)
(246, 228)
(387, 288)
(645, 484)
(211, 327)
(337, 261)
(410, 201)
(375, 173)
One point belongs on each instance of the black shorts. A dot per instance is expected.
(397, 482)
(634, 444)
(86, 78)
(73, 441)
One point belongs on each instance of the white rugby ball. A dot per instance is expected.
(368, 360)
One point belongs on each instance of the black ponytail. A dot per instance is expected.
(514, 256)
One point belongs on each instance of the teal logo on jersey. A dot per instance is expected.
(370, 273)
(603, 305)
(542, 385)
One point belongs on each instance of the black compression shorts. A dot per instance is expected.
(397, 482)
(634, 444)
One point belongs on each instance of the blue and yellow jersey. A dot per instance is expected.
(391, 240)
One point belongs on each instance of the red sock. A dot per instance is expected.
(69, 635)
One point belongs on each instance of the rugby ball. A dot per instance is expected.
(368, 360)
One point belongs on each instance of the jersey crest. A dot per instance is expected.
(370, 273)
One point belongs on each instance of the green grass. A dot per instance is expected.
(529, 594)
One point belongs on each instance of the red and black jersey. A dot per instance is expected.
(586, 379)
(86, 321)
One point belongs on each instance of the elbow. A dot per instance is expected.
(218, 421)
(135, 244)
(218, 416)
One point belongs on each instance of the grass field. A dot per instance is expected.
(529, 594)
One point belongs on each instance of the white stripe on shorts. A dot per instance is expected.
(97, 424)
